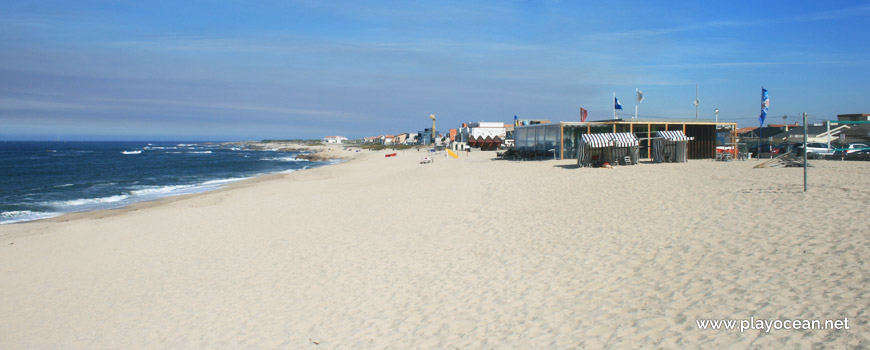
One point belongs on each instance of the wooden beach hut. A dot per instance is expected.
(625, 148)
(670, 146)
(594, 148)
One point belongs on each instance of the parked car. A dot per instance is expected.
(859, 155)
(855, 147)
(853, 155)
(767, 150)
(814, 150)
(852, 148)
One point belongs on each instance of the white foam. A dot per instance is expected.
(138, 194)
(90, 201)
(200, 152)
(8, 217)
(284, 159)
(153, 192)
(224, 181)
(159, 190)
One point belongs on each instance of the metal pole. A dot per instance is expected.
(760, 127)
(758, 145)
(769, 141)
(805, 151)
(697, 102)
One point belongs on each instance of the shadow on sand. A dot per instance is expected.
(567, 166)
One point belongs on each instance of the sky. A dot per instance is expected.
(252, 70)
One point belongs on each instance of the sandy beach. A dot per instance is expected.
(469, 253)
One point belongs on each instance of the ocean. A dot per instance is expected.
(45, 179)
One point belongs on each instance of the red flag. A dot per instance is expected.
(583, 113)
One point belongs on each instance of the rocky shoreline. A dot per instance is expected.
(309, 152)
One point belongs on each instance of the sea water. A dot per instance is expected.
(45, 179)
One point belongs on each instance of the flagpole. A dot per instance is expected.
(761, 125)
(635, 102)
(613, 105)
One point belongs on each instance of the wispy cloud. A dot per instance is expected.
(97, 104)
(855, 11)
(406, 11)
(749, 64)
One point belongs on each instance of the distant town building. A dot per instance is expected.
(522, 122)
(855, 132)
(853, 117)
(388, 139)
(401, 138)
(372, 140)
(425, 136)
(483, 135)
(335, 139)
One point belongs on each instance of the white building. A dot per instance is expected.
(388, 139)
(484, 129)
(334, 139)
(484, 135)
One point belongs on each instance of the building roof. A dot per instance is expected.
(853, 115)
(795, 125)
(779, 132)
(765, 132)
(658, 121)
(746, 129)
(811, 130)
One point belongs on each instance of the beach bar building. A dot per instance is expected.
(561, 140)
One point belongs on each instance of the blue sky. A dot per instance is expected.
(250, 70)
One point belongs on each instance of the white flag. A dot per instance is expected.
(639, 96)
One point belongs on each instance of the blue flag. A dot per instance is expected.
(616, 104)
(765, 104)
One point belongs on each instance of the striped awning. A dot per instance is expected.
(596, 140)
(624, 139)
(673, 135)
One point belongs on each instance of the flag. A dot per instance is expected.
(765, 104)
(516, 121)
(616, 104)
(583, 113)
(639, 96)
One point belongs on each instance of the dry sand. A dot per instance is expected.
(459, 254)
